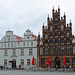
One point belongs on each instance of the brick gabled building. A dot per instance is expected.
(56, 42)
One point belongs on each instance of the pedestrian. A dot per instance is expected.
(70, 66)
(1, 67)
(4, 67)
(64, 68)
(56, 67)
(19, 66)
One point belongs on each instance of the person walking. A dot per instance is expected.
(70, 66)
(1, 67)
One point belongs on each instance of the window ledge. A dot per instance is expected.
(13, 56)
(5, 55)
(21, 55)
(30, 55)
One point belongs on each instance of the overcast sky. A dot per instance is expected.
(19, 15)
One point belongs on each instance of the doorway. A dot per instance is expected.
(57, 62)
(14, 64)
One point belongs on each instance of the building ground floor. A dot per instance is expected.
(18, 63)
(57, 61)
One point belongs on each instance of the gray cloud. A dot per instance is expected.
(19, 15)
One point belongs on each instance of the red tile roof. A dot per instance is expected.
(34, 36)
(18, 37)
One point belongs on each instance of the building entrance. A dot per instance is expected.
(57, 62)
(14, 64)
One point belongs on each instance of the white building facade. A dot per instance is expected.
(16, 51)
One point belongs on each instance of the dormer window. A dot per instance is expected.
(62, 27)
(8, 39)
(27, 37)
(51, 29)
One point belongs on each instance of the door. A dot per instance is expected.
(57, 62)
(13, 64)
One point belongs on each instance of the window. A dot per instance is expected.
(2, 45)
(51, 41)
(41, 51)
(46, 51)
(5, 44)
(8, 39)
(27, 43)
(31, 43)
(62, 40)
(56, 34)
(73, 62)
(8, 44)
(5, 53)
(14, 52)
(51, 51)
(62, 51)
(46, 41)
(12, 44)
(68, 40)
(22, 62)
(27, 37)
(35, 62)
(42, 62)
(68, 34)
(68, 50)
(30, 52)
(56, 41)
(73, 49)
(57, 50)
(28, 62)
(56, 21)
(23, 43)
(5, 62)
(22, 51)
(67, 62)
(62, 34)
(51, 29)
(56, 27)
(50, 35)
(62, 27)
(46, 36)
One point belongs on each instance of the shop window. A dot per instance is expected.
(22, 62)
(67, 62)
(28, 62)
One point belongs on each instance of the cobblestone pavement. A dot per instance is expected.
(23, 72)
